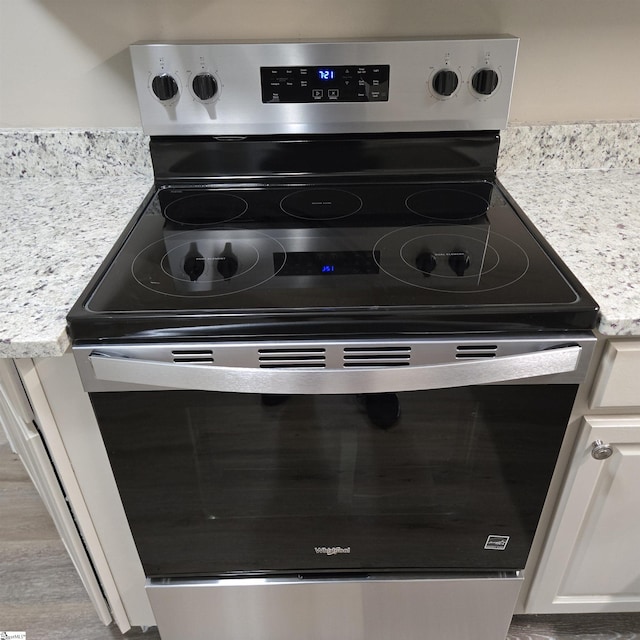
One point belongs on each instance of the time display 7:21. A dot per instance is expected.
(326, 74)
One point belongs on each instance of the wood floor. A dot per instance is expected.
(40, 592)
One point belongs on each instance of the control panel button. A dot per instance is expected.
(445, 82)
(164, 87)
(484, 81)
(204, 85)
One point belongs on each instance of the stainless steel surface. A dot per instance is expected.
(237, 107)
(600, 450)
(411, 608)
(334, 367)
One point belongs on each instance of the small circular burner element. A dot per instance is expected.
(321, 204)
(204, 209)
(448, 205)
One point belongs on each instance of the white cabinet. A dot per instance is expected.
(618, 380)
(21, 425)
(73, 439)
(590, 561)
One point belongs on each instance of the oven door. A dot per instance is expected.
(355, 479)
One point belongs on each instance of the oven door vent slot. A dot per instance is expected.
(470, 351)
(274, 358)
(192, 356)
(392, 356)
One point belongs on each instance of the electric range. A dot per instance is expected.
(331, 360)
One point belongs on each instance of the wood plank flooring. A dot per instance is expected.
(40, 592)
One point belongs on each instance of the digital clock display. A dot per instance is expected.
(326, 263)
(326, 74)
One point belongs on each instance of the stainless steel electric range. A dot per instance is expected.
(331, 360)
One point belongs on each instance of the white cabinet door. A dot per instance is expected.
(19, 423)
(618, 381)
(591, 558)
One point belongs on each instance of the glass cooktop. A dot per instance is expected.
(329, 246)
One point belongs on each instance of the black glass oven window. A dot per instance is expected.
(235, 484)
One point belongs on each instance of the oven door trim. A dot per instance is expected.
(334, 367)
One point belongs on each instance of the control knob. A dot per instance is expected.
(484, 81)
(204, 85)
(227, 262)
(164, 87)
(426, 262)
(445, 82)
(193, 263)
(459, 261)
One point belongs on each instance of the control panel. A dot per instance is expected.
(262, 88)
(325, 84)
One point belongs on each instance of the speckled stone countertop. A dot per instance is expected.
(68, 194)
(66, 197)
(592, 220)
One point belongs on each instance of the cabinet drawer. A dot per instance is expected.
(617, 383)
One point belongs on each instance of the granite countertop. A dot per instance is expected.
(55, 234)
(592, 220)
(67, 195)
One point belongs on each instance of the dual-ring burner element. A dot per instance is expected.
(207, 263)
(430, 258)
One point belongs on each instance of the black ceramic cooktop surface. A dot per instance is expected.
(329, 246)
(409, 252)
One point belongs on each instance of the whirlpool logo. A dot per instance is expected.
(332, 551)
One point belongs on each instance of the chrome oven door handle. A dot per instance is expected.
(166, 375)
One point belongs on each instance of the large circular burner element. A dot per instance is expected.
(321, 204)
(205, 263)
(205, 209)
(448, 205)
(429, 257)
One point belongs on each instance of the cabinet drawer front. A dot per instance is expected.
(618, 381)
